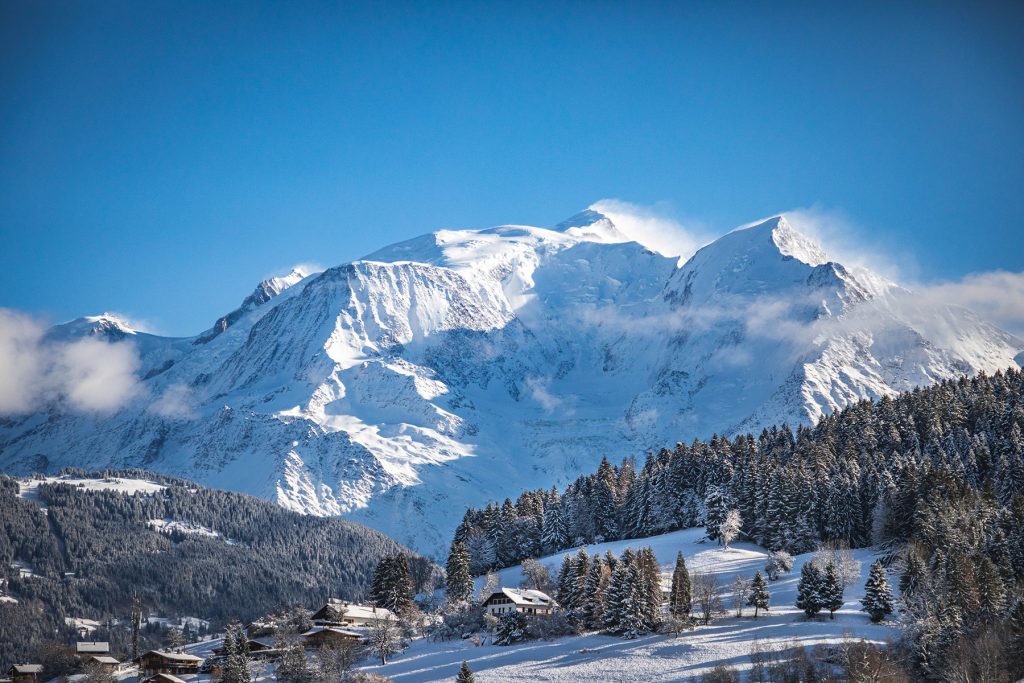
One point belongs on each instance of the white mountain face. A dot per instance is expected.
(466, 365)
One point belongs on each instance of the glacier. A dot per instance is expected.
(464, 366)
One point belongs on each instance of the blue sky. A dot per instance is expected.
(159, 158)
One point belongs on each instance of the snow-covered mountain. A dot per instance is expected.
(467, 365)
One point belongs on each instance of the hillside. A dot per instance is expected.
(78, 546)
(597, 657)
(466, 365)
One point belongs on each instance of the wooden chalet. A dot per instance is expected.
(25, 673)
(330, 636)
(104, 662)
(341, 613)
(250, 644)
(85, 648)
(160, 662)
(163, 678)
(529, 602)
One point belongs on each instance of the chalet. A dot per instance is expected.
(255, 647)
(163, 678)
(526, 601)
(87, 648)
(104, 662)
(25, 673)
(330, 636)
(341, 613)
(160, 662)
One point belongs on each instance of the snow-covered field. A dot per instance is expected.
(29, 488)
(598, 657)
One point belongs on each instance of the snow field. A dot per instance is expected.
(599, 657)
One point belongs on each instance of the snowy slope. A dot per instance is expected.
(466, 365)
(598, 657)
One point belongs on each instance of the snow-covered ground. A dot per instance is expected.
(29, 488)
(598, 657)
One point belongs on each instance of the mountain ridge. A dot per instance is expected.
(464, 364)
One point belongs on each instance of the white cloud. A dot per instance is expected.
(846, 242)
(87, 375)
(20, 362)
(997, 296)
(654, 227)
(175, 403)
(540, 390)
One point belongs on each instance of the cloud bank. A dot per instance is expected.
(654, 227)
(997, 296)
(86, 375)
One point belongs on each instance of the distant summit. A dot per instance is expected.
(462, 366)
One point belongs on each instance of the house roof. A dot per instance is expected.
(332, 629)
(164, 678)
(174, 656)
(92, 647)
(27, 668)
(348, 610)
(104, 659)
(524, 597)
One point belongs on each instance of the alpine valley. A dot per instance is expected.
(465, 366)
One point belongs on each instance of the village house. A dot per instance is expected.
(104, 662)
(341, 613)
(331, 636)
(253, 647)
(528, 602)
(160, 662)
(163, 678)
(25, 673)
(87, 648)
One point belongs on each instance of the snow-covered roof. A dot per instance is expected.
(27, 668)
(105, 660)
(349, 610)
(166, 678)
(332, 629)
(87, 647)
(175, 656)
(525, 597)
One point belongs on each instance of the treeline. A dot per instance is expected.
(937, 474)
(93, 549)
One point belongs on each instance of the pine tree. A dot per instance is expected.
(877, 596)
(581, 567)
(236, 655)
(649, 575)
(511, 628)
(759, 595)
(717, 504)
(458, 581)
(832, 590)
(680, 598)
(808, 592)
(565, 591)
(594, 593)
(554, 536)
(465, 674)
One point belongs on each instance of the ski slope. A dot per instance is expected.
(598, 657)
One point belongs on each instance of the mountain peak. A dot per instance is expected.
(786, 239)
(592, 226)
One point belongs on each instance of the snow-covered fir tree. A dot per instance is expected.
(877, 599)
(808, 591)
(459, 582)
(465, 674)
(680, 598)
(831, 590)
(759, 595)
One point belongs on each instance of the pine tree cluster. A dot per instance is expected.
(936, 473)
(391, 587)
